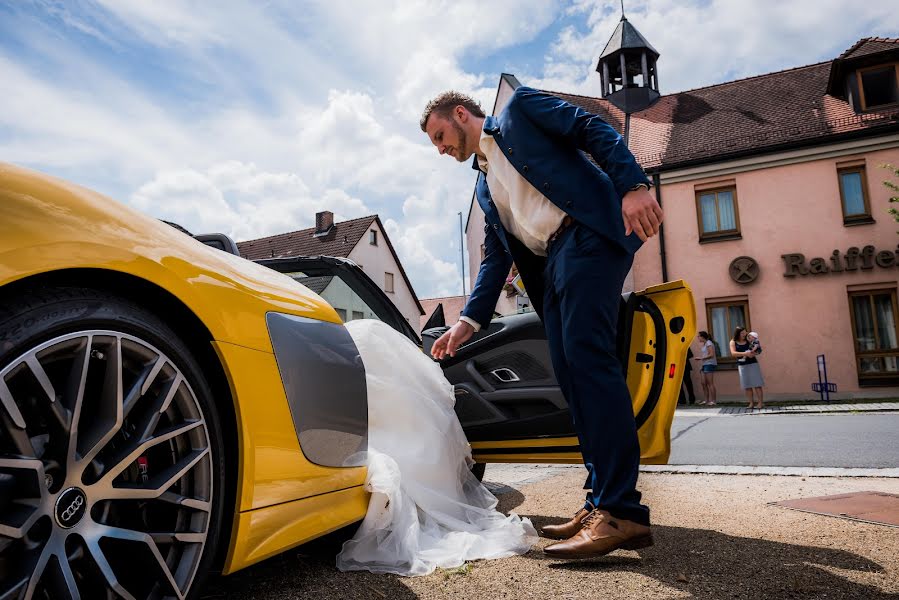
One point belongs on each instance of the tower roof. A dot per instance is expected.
(626, 37)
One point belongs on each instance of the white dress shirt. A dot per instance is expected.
(523, 210)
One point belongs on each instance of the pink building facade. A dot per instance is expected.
(787, 205)
(775, 210)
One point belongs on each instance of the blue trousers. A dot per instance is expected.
(583, 280)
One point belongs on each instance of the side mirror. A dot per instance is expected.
(436, 319)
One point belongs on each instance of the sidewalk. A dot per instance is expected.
(716, 537)
(733, 410)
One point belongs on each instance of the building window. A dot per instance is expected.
(874, 319)
(854, 195)
(723, 318)
(718, 216)
(358, 315)
(373, 237)
(341, 313)
(388, 282)
(878, 86)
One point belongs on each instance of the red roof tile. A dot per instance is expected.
(452, 308)
(339, 241)
(743, 116)
(867, 46)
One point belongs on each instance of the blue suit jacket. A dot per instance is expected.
(545, 138)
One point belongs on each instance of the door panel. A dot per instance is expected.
(505, 386)
(510, 404)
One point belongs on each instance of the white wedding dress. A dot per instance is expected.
(427, 509)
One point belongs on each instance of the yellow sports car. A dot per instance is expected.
(168, 408)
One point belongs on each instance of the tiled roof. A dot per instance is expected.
(340, 241)
(626, 37)
(743, 116)
(867, 46)
(316, 284)
(452, 308)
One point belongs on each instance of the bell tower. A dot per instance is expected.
(627, 67)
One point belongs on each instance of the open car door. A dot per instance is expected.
(510, 404)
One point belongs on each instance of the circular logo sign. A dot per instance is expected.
(70, 507)
(744, 269)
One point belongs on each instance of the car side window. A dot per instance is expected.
(339, 295)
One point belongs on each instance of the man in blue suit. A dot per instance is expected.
(572, 228)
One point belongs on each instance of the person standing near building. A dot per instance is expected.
(709, 358)
(690, 397)
(750, 372)
(572, 228)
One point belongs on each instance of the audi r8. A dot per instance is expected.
(168, 408)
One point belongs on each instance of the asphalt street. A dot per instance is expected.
(863, 440)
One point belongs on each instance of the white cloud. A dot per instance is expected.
(703, 43)
(418, 246)
(240, 200)
(248, 118)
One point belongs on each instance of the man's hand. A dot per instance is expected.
(450, 341)
(641, 213)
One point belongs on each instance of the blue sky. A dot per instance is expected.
(249, 117)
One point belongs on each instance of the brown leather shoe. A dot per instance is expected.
(565, 530)
(602, 533)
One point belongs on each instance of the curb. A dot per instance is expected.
(787, 471)
(799, 409)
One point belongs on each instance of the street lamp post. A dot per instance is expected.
(462, 254)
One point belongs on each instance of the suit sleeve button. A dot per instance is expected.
(569, 203)
(510, 150)
(524, 168)
(546, 185)
(495, 226)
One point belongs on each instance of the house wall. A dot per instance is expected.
(339, 295)
(377, 260)
(452, 308)
(786, 204)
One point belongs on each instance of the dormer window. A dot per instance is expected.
(878, 86)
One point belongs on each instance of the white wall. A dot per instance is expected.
(339, 295)
(375, 261)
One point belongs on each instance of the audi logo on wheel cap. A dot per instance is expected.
(70, 507)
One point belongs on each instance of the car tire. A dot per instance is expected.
(112, 471)
(478, 470)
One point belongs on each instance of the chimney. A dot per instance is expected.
(324, 221)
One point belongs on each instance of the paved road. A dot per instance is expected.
(865, 440)
(716, 537)
(708, 527)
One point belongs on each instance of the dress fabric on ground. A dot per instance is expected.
(427, 509)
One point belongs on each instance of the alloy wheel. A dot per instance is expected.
(105, 471)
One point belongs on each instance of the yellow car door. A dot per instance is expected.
(510, 404)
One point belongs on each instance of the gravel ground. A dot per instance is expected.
(716, 537)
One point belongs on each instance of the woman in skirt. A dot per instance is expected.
(750, 371)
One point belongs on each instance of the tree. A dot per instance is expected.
(894, 187)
